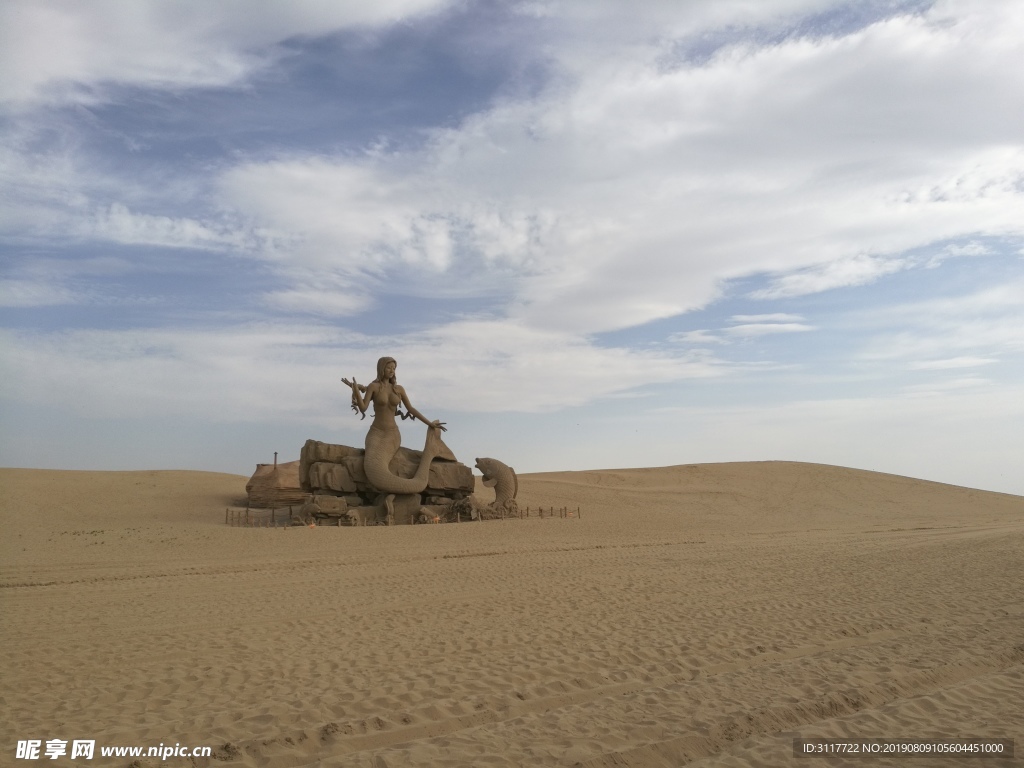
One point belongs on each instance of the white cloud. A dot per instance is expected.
(120, 225)
(39, 195)
(628, 191)
(762, 329)
(58, 51)
(34, 293)
(347, 215)
(287, 371)
(339, 301)
(841, 273)
(761, 325)
(54, 191)
(950, 363)
(969, 249)
(945, 385)
(745, 326)
(503, 365)
(775, 317)
(946, 332)
(954, 250)
(229, 375)
(702, 336)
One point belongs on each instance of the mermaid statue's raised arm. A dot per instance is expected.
(359, 405)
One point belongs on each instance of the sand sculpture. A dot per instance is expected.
(384, 482)
(383, 438)
(502, 478)
(275, 485)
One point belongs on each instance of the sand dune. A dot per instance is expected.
(700, 615)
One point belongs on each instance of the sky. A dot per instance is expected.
(593, 233)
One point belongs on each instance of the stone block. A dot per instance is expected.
(354, 467)
(331, 505)
(333, 477)
(447, 476)
(339, 468)
(314, 452)
(405, 506)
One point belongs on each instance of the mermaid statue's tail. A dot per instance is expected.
(379, 452)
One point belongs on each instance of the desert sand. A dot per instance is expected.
(699, 615)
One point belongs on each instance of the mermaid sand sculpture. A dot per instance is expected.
(383, 438)
(386, 482)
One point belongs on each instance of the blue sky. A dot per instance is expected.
(592, 236)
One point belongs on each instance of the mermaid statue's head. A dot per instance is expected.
(386, 370)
